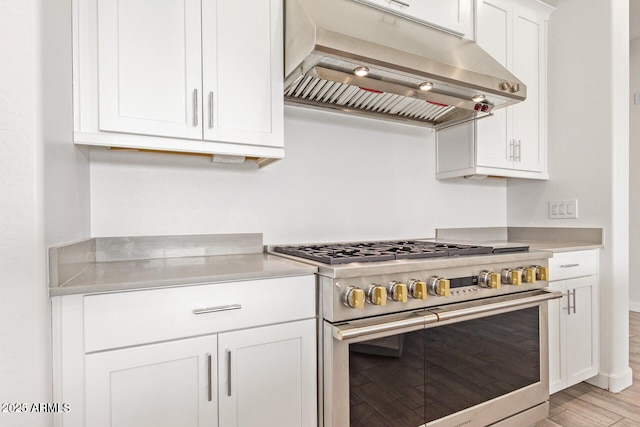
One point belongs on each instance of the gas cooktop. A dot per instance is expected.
(342, 253)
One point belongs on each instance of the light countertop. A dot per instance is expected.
(560, 246)
(81, 268)
(537, 238)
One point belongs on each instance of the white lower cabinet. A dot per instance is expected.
(255, 377)
(160, 385)
(192, 356)
(267, 376)
(573, 320)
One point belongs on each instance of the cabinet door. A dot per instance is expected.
(149, 67)
(452, 15)
(581, 349)
(557, 350)
(493, 141)
(268, 376)
(529, 65)
(161, 385)
(242, 71)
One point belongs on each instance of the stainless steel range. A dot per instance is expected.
(424, 333)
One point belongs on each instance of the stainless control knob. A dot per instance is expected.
(377, 295)
(397, 291)
(542, 273)
(505, 85)
(511, 276)
(439, 286)
(418, 289)
(354, 298)
(489, 279)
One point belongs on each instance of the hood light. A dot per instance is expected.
(478, 98)
(361, 71)
(426, 86)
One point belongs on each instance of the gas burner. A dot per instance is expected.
(343, 253)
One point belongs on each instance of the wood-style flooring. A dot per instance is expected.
(584, 405)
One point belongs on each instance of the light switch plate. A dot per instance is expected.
(563, 209)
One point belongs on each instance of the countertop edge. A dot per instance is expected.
(91, 289)
(557, 247)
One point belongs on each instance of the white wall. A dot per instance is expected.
(66, 168)
(25, 371)
(44, 192)
(588, 155)
(634, 173)
(343, 178)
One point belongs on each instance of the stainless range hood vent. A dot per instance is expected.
(327, 40)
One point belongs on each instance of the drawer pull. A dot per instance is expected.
(569, 265)
(401, 3)
(217, 309)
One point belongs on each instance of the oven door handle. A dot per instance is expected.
(346, 333)
(483, 308)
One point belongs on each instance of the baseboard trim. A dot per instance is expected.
(614, 383)
(634, 306)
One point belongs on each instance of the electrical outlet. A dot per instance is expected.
(563, 209)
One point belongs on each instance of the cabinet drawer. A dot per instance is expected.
(138, 317)
(565, 265)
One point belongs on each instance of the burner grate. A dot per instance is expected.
(344, 253)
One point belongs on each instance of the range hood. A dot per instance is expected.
(349, 56)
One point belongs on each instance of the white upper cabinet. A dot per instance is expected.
(242, 71)
(149, 61)
(203, 75)
(530, 65)
(493, 134)
(455, 16)
(511, 143)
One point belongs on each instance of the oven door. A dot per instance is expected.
(472, 364)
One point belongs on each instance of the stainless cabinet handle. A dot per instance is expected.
(211, 110)
(217, 309)
(569, 265)
(195, 107)
(401, 3)
(519, 150)
(574, 301)
(568, 302)
(511, 142)
(229, 372)
(209, 381)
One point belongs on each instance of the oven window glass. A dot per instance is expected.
(474, 361)
(386, 378)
